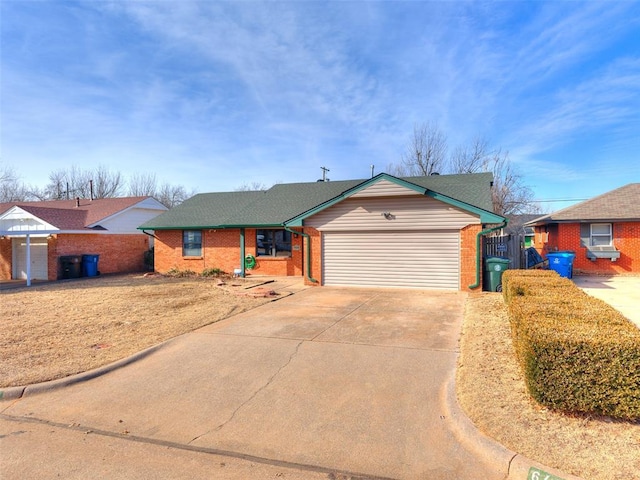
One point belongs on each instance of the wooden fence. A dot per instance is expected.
(508, 246)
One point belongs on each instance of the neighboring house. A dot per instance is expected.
(34, 235)
(385, 231)
(604, 232)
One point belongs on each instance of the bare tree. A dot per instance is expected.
(172, 195)
(10, 188)
(425, 154)
(509, 194)
(76, 182)
(106, 184)
(470, 158)
(143, 184)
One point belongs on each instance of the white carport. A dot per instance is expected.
(22, 226)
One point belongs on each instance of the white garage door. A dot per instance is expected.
(420, 259)
(38, 258)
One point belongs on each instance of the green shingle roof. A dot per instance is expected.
(285, 201)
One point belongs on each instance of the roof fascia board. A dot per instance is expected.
(547, 221)
(214, 227)
(297, 220)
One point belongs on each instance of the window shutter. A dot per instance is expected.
(585, 234)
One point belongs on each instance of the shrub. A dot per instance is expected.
(212, 272)
(577, 353)
(177, 273)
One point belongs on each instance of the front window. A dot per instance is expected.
(601, 234)
(192, 243)
(274, 243)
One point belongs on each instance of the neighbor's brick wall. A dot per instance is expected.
(626, 238)
(118, 253)
(468, 258)
(5, 259)
(221, 249)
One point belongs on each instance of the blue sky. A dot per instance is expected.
(213, 95)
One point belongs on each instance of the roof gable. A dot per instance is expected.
(620, 204)
(79, 214)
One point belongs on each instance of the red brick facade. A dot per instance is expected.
(120, 253)
(5, 259)
(566, 236)
(468, 258)
(221, 249)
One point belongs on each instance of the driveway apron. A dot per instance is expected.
(345, 380)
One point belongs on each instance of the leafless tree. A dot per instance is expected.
(172, 195)
(509, 194)
(425, 154)
(470, 158)
(143, 184)
(76, 182)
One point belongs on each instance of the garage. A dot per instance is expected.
(407, 259)
(39, 258)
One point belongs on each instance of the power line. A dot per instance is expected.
(562, 200)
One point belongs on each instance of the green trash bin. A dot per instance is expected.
(493, 270)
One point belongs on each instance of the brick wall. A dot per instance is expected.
(5, 259)
(316, 256)
(468, 258)
(118, 253)
(626, 239)
(221, 249)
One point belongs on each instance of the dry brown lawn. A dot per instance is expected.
(492, 392)
(54, 330)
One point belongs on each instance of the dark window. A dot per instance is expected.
(274, 243)
(191, 243)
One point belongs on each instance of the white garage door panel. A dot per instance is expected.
(39, 256)
(427, 259)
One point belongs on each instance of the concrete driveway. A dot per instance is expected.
(621, 292)
(327, 381)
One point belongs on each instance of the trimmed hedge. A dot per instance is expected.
(577, 353)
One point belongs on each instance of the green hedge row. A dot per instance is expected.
(578, 354)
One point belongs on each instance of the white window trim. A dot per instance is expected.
(601, 235)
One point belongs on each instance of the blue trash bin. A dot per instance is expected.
(562, 262)
(90, 265)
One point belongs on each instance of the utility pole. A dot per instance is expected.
(324, 174)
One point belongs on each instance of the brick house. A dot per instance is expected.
(416, 232)
(604, 232)
(34, 235)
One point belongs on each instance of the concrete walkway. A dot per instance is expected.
(326, 383)
(621, 292)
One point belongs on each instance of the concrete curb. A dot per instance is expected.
(12, 393)
(511, 465)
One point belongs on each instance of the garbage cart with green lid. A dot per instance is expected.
(494, 267)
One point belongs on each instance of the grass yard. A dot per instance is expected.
(62, 328)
